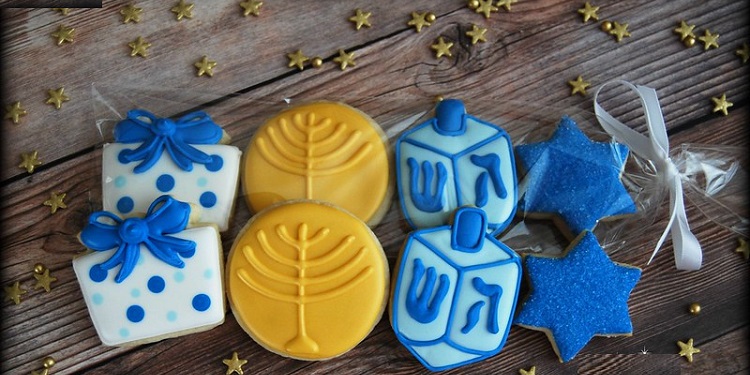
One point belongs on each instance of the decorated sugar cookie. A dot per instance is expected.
(453, 160)
(307, 280)
(154, 156)
(454, 293)
(577, 296)
(573, 179)
(150, 278)
(323, 151)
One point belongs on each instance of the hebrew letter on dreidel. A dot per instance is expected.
(423, 200)
(421, 308)
(490, 162)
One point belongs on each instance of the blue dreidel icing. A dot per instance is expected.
(455, 291)
(454, 160)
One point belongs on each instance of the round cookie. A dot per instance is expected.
(323, 151)
(307, 280)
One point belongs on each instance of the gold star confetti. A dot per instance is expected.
(63, 11)
(30, 161)
(361, 18)
(14, 292)
(709, 40)
(685, 30)
(55, 201)
(589, 12)
(420, 20)
(43, 279)
(485, 7)
(687, 350)
(619, 31)
(722, 104)
(344, 59)
(14, 112)
(57, 97)
(64, 34)
(183, 10)
(477, 34)
(532, 370)
(139, 47)
(578, 86)
(506, 4)
(47, 364)
(234, 364)
(442, 48)
(131, 13)
(743, 52)
(743, 248)
(251, 7)
(297, 59)
(205, 66)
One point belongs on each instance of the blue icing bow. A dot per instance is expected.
(159, 134)
(165, 216)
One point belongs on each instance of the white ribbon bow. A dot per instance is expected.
(655, 147)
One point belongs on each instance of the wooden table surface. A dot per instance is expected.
(531, 52)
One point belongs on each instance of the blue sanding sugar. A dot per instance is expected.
(578, 296)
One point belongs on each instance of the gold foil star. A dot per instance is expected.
(722, 104)
(64, 34)
(744, 249)
(420, 20)
(506, 4)
(251, 7)
(442, 48)
(297, 59)
(63, 11)
(234, 364)
(14, 112)
(43, 279)
(361, 18)
(743, 52)
(57, 97)
(589, 12)
(578, 86)
(139, 47)
(205, 66)
(709, 40)
(30, 161)
(532, 370)
(485, 7)
(685, 30)
(183, 10)
(687, 350)
(477, 34)
(619, 31)
(131, 13)
(344, 59)
(55, 201)
(14, 292)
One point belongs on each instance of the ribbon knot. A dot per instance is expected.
(655, 147)
(165, 216)
(159, 134)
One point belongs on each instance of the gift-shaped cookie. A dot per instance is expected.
(152, 156)
(455, 291)
(150, 278)
(454, 160)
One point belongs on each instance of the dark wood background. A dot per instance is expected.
(531, 53)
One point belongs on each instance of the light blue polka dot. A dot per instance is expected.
(208, 273)
(120, 181)
(207, 199)
(125, 204)
(97, 299)
(202, 182)
(124, 332)
(171, 316)
(135, 293)
(179, 276)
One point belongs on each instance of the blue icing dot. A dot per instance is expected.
(135, 292)
(125, 204)
(156, 284)
(171, 316)
(124, 332)
(208, 273)
(165, 183)
(97, 273)
(135, 313)
(120, 181)
(201, 302)
(202, 181)
(179, 276)
(208, 199)
(216, 163)
(97, 299)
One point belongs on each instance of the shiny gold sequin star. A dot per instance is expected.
(532, 370)
(131, 13)
(251, 7)
(442, 48)
(420, 20)
(619, 31)
(14, 292)
(205, 66)
(578, 86)
(344, 59)
(43, 278)
(589, 12)
(55, 201)
(687, 350)
(685, 30)
(183, 9)
(477, 34)
(139, 47)
(14, 112)
(743, 52)
(57, 97)
(297, 59)
(64, 34)
(361, 18)
(709, 40)
(506, 4)
(485, 7)
(30, 160)
(743, 249)
(722, 104)
(234, 364)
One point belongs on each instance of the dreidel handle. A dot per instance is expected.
(468, 230)
(449, 117)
